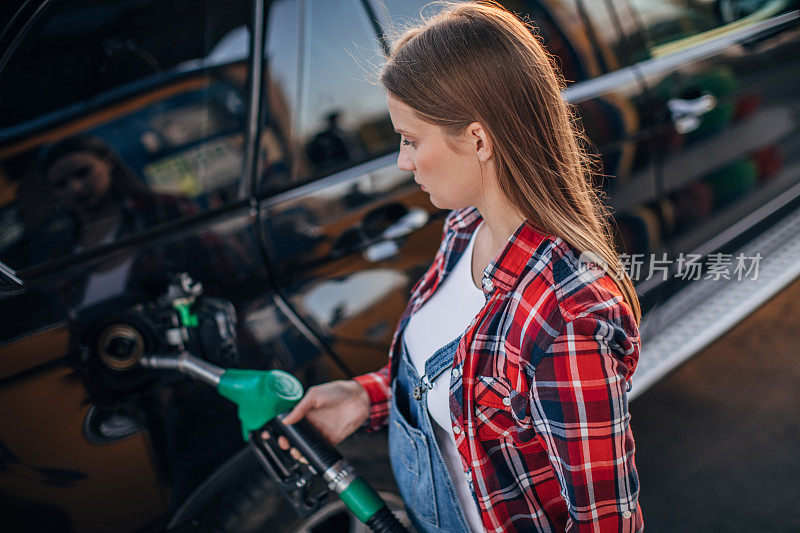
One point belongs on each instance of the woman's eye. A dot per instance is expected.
(406, 142)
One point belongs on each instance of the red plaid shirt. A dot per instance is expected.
(539, 409)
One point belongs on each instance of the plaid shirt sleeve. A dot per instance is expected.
(377, 386)
(579, 402)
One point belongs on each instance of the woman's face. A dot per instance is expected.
(81, 180)
(451, 177)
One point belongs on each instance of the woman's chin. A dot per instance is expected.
(444, 204)
(436, 202)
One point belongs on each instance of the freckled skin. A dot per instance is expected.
(457, 172)
(451, 178)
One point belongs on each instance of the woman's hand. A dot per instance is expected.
(335, 409)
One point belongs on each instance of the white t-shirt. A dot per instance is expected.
(106, 283)
(442, 318)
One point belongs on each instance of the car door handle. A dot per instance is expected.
(388, 246)
(686, 113)
(408, 223)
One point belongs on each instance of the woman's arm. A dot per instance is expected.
(578, 398)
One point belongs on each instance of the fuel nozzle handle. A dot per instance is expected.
(352, 489)
(309, 443)
(261, 397)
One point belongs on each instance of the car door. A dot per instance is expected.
(346, 232)
(122, 154)
(722, 80)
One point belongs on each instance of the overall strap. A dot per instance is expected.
(441, 360)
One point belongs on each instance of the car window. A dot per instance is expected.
(672, 25)
(615, 30)
(117, 116)
(559, 23)
(332, 114)
(561, 29)
(281, 78)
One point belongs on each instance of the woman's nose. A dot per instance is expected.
(404, 162)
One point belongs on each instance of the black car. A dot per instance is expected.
(245, 144)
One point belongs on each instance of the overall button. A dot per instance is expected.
(506, 401)
(488, 284)
(456, 373)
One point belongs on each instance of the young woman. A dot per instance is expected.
(506, 388)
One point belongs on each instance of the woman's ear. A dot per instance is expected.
(479, 140)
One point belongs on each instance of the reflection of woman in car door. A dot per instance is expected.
(98, 199)
(505, 394)
(91, 183)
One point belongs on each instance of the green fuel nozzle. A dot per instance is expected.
(262, 396)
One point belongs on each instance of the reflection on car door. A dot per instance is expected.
(118, 123)
(352, 235)
(593, 55)
(723, 79)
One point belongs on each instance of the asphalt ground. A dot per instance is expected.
(718, 440)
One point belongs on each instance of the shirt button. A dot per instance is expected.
(626, 514)
(488, 284)
(456, 430)
(506, 401)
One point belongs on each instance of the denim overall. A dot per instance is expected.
(417, 463)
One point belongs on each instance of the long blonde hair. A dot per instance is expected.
(477, 62)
